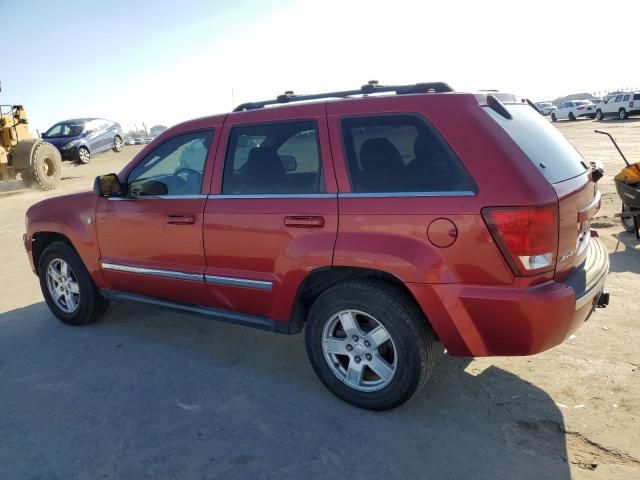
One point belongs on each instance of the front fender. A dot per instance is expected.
(72, 216)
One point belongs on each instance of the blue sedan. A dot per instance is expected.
(81, 138)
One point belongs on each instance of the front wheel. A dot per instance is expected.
(622, 114)
(554, 118)
(599, 115)
(83, 155)
(627, 222)
(369, 344)
(117, 145)
(67, 286)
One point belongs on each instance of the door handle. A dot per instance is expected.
(176, 219)
(304, 222)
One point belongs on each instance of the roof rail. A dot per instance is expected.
(369, 88)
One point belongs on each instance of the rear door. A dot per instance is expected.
(272, 215)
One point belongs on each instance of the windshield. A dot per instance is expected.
(546, 147)
(65, 129)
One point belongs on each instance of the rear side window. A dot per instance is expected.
(543, 144)
(636, 96)
(276, 158)
(626, 98)
(400, 153)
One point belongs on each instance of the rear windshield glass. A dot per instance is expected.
(582, 102)
(546, 147)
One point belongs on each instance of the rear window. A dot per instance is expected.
(546, 147)
(636, 96)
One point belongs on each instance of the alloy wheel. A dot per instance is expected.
(62, 284)
(359, 350)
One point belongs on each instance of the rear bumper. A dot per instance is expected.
(478, 320)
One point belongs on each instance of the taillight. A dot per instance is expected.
(526, 236)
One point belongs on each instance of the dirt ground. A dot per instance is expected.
(154, 394)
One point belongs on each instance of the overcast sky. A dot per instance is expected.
(166, 61)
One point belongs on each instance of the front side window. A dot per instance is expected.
(400, 153)
(173, 168)
(276, 158)
(619, 98)
(65, 129)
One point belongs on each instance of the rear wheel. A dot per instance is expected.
(117, 145)
(622, 114)
(553, 117)
(46, 167)
(83, 155)
(572, 117)
(67, 286)
(627, 222)
(369, 344)
(599, 115)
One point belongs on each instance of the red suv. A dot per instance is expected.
(382, 219)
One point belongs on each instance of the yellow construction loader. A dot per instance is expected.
(38, 162)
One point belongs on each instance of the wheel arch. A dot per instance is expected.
(321, 279)
(41, 240)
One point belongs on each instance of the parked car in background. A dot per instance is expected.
(545, 108)
(619, 105)
(138, 141)
(370, 223)
(574, 109)
(129, 141)
(81, 138)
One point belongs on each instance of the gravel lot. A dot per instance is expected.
(152, 394)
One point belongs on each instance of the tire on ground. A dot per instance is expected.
(91, 304)
(414, 340)
(45, 168)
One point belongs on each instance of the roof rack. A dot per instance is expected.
(369, 88)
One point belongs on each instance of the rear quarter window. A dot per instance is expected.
(401, 153)
(636, 96)
(542, 143)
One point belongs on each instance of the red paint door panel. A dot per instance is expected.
(140, 233)
(265, 228)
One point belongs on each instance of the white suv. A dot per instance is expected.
(574, 109)
(619, 105)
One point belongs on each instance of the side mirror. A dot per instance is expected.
(289, 163)
(107, 185)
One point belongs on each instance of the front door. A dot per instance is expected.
(272, 215)
(151, 239)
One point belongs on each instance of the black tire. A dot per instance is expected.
(46, 167)
(622, 114)
(117, 144)
(553, 117)
(627, 223)
(91, 305)
(414, 341)
(599, 115)
(572, 117)
(83, 156)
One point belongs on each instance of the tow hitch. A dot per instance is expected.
(603, 299)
